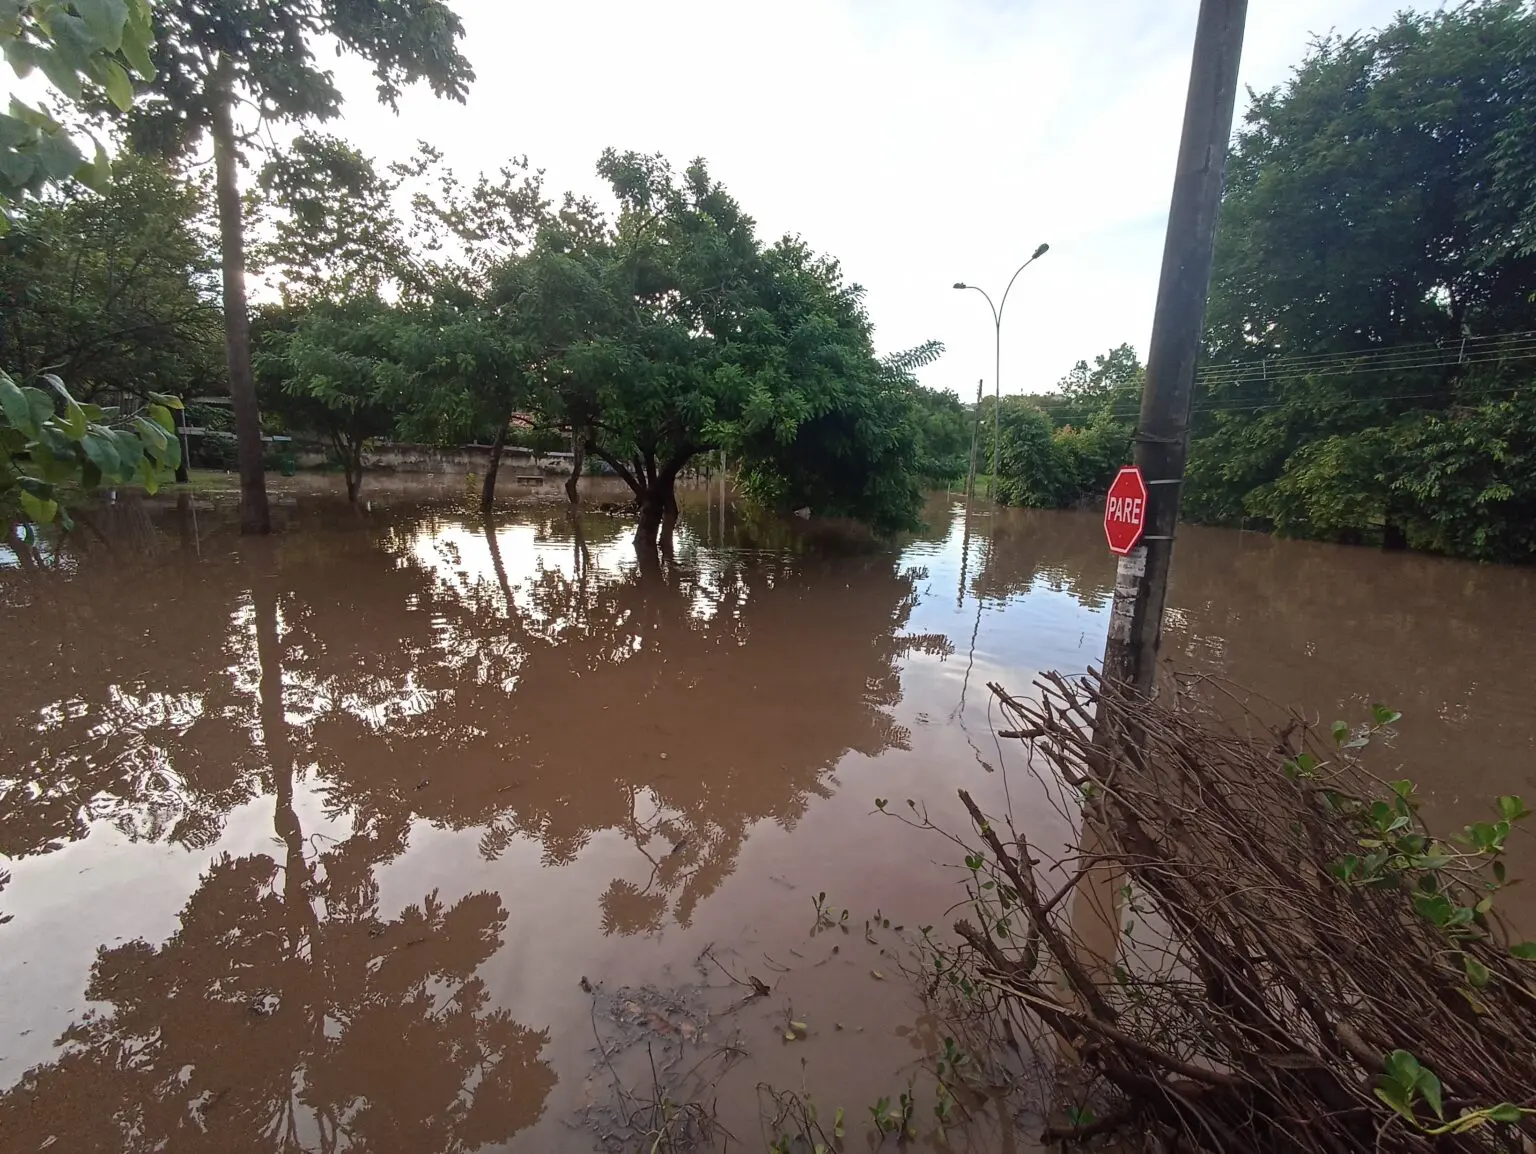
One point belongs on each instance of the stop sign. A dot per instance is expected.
(1125, 512)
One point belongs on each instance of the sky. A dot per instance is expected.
(919, 141)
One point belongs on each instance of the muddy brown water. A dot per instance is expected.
(359, 837)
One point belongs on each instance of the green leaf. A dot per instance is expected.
(170, 456)
(58, 155)
(42, 408)
(1381, 715)
(17, 409)
(162, 417)
(1340, 732)
(119, 87)
(60, 389)
(1526, 951)
(166, 399)
(1393, 1098)
(1512, 808)
(1429, 1086)
(75, 421)
(1505, 1112)
(1477, 973)
(102, 453)
(130, 451)
(105, 21)
(39, 509)
(153, 435)
(139, 39)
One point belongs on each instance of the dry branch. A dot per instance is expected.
(1296, 935)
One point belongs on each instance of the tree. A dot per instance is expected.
(115, 290)
(214, 56)
(698, 337)
(1064, 448)
(334, 370)
(336, 233)
(1032, 469)
(465, 364)
(1379, 204)
(1113, 382)
(944, 435)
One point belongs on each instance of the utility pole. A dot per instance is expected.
(1162, 437)
(970, 478)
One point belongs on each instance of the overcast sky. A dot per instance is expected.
(919, 141)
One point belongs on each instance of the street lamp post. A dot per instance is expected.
(997, 368)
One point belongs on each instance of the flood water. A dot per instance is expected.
(351, 839)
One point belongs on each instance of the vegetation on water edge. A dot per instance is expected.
(645, 336)
(1250, 944)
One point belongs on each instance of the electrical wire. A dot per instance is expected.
(1494, 349)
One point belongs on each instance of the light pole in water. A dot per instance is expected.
(997, 373)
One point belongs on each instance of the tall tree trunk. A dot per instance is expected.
(350, 451)
(578, 462)
(498, 447)
(255, 517)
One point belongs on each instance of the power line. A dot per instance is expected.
(1470, 350)
(1332, 402)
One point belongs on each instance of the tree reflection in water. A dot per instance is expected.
(524, 681)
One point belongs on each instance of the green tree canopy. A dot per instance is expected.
(116, 291)
(1380, 203)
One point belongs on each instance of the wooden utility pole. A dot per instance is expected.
(1162, 438)
(970, 478)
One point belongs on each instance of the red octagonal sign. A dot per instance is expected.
(1125, 513)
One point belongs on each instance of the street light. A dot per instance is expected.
(997, 382)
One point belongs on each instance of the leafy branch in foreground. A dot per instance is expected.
(82, 47)
(49, 441)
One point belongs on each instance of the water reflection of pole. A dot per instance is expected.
(970, 662)
(965, 555)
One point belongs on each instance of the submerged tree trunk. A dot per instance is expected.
(255, 517)
(578, 462)
(655, 490)
(350, 450)
(493, 466)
